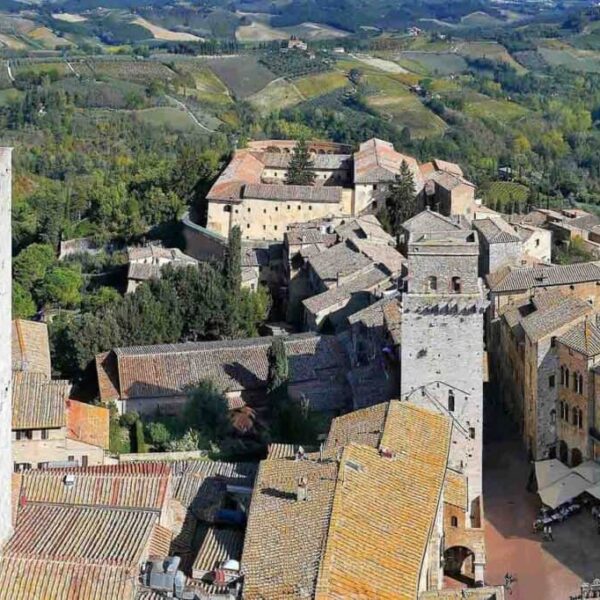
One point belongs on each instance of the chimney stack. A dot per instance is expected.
(302, 491)
(5, 344)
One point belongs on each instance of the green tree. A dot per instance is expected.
(23, 305)
(62, 286)
(278, 374)
(300, 170)
(401, 203)
(30, 265)
(158, 435)
(233, 261)
(206, 411)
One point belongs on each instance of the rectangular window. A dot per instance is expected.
(551, 381)
(71, 458)
(553, 341)
(44, 434)
(275, 227)
(472, 432)
(248, 209)
(42, 465)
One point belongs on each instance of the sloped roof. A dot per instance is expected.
(244, 168)
(455, 489)
(338, 261)
(303, 193)
(217, 546)
(428, 220)
(449, 181)
(496, 231)
(449, 167)
(38, 402)
(543, 322)
(329, 546)
(88, 423)
(328, 162)
(167, 370)
(129, 485)
(583, 337)
(517, 279)
(384, 256)
(30, 347)
(377, 162)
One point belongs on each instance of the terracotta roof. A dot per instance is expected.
(365, 227)
(544, 322)
(303, 193)
(154, 252)
(429, 220)
(496, 231)
(361, 426)
(167, 370)
(70, 533)
(338, 261)
(244, 168)
(38, 402)
(327, 162)
(442, 165)
(88, 423)
(392, 315)
(34, 579)
(382, 255)
(30, 347)
(108, 376)
(217, 546)
(515, 279)
(128, 485)
(449, 181)
(373, 315)
(329, 546)
(377, 162)
(583, 338)
(363, 282)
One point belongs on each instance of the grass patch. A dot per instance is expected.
(172, 118)
(138, 71)
(243, 75)
(321, 83)
(501, 110)
(276, 95)
(489, 50)
(574, 60)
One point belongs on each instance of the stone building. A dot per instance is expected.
(578, 403)
(526, 360)
(251, 191)
(442, 331)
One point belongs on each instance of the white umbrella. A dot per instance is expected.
(564, 490)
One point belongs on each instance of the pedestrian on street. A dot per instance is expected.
(545, 534)
(550, 536)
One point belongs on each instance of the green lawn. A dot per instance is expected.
(501, 110)
(312, 86)
(433, 63)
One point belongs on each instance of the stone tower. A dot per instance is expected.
(442, 353)
(5, 345)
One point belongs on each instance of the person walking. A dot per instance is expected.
(550, 536)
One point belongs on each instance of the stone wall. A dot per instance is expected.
(201, 243)
(6, 463)
(504, 254)
(426, 262)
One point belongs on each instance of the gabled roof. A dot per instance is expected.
(496, 231)
(88, 423)
(521, 279)
(428, 221)
(301, 193)
(327, 162)
(338, 261)
(583, 337)
(449, 167)
(541, 323)
(377, 162)
(30, 347)
(38, 402)
(244, 168)
(331, 546)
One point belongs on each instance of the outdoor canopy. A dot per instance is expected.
(548, 472)
(564, 490)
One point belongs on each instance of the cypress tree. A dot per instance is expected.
(300, 170)
(278, 366)
(402, 201)
(233, 261)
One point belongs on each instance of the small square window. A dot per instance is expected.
(277, 208)
(309, 207)
(44, 434)
(264, 226)
(275, 227)
(248, 226)
(248, 210)
(265, 211)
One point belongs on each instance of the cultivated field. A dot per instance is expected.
(132, 70)
(160, 33)
(314, 31)
(380, 63)
(47, 38)
(501, 193)
(489, 50)
(433, 63)
(276, 95)
(312, 86)
(9, 41)
(243, 75)
(259, 32)
(173, 118)
(569, 58)
(69, 17)
(500, 110)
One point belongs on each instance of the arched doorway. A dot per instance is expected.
(563, 451)
(459, 564)
(576, 457)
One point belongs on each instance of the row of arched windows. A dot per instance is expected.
(575, 379)
(575, 416)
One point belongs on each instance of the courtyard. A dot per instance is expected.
(544, 570)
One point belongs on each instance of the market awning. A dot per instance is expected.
(564, 490)
(590, 470)
(594, 491)
(549, 471)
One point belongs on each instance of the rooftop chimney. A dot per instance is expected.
(302, 491)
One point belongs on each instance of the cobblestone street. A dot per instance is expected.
(544, 570)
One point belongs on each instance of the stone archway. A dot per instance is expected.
(459, 564)
(576, 457)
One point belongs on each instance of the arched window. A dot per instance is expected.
(581, 384)
(456, 285)
(566, 412)
(562, 410)
(575, 381)
(567, 378)
(575, 418)
(451, 401)
(432, 283)
(562, 375)
(580, 420)
(454, 521)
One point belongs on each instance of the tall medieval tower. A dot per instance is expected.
(442, 354)
(5, 344)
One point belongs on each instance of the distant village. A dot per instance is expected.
(399, 340)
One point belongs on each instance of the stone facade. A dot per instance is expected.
(5, 345)
(442, 331)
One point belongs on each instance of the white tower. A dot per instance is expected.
(5, 344)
